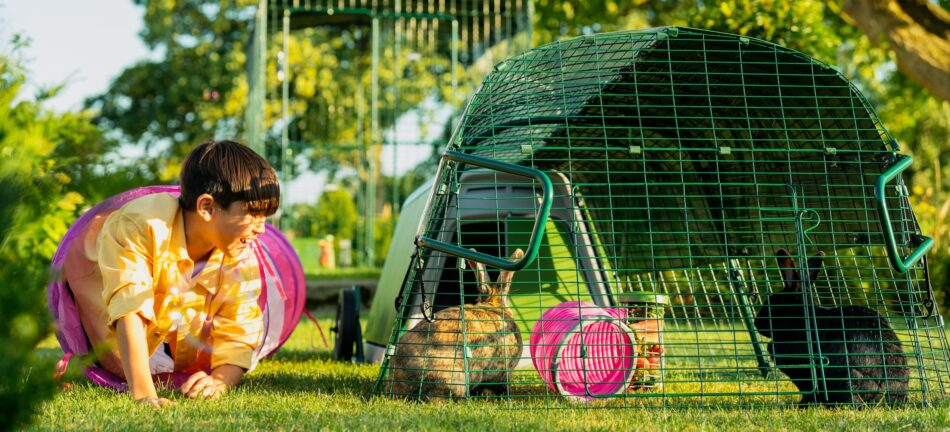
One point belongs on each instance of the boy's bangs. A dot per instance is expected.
(262, 198)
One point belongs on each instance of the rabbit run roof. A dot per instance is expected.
(674, 131)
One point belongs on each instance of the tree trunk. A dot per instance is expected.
(919, 34)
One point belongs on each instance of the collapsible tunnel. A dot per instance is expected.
(683, 164)
(282, 297)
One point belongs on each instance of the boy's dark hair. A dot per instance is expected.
(229, 171)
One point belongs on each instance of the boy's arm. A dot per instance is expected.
(229, 375)
(133, 352)
(124, 260)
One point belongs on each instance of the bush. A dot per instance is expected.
(25, 380)
(37, 203)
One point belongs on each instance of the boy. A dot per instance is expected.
(172, 281)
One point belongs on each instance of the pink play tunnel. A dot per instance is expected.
(583, 351)
(282, 298)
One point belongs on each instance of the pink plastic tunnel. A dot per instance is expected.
(583, 351)
(282, 296)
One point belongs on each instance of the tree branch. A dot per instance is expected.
(918, 32)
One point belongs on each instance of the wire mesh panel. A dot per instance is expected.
(334, 82)
(680, 217)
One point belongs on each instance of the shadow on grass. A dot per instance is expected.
(300, 356)
(329, 377)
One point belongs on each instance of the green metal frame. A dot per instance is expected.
(542, 215)
(880, 192)
(708, 168)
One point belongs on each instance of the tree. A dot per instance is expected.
(555, 19)
(918, 32)
(199, 89)
(302, 220)
(335, 214)
(192, 94)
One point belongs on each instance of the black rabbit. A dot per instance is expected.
(857, 357)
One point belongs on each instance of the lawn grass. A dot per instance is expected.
(300, 388)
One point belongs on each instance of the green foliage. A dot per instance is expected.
(556, 19)
(199, 89)
(36, 206)
(405, 184)
(194, 93)
(343, 273)
(928, 133)
(335, 214)
(385, 225)
(25, 380)
(309, 252)
(51, 166)
(330, 80)
(302, 220)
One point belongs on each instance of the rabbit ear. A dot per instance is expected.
(504, 279)
(481, 276)
(787, 266)
(814, 266)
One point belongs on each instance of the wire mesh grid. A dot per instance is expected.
(335, 82)
(713, 220)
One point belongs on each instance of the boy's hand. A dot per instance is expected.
(202, 385)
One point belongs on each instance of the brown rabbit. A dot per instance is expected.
(429, 360)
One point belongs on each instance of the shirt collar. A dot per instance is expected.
(208, 277)
(178, 248)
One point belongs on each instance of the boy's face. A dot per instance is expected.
(235, 228)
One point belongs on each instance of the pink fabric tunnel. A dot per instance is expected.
(583, 351)
(282, 295)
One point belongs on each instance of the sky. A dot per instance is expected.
(85, 44)
(82, 46)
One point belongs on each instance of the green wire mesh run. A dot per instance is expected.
(336, 82)
(721, 230)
